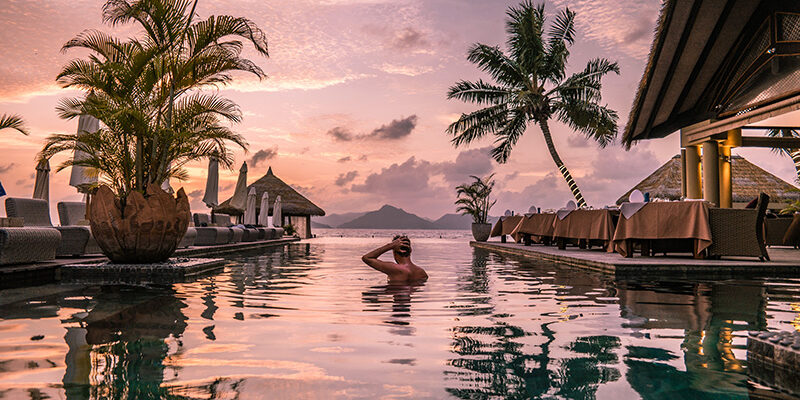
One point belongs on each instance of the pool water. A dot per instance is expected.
(309, 320)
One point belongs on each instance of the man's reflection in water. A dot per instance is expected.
(396, 299)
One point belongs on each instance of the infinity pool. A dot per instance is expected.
(310, 321)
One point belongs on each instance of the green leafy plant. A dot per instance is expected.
(13, 122)
(473, 198)
(790, 209)
(289, 229)
(147, 92)
(531, 86)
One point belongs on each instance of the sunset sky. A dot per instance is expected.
(354, 111)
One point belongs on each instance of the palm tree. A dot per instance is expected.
(473, 198)
(13, 122)
(793, 153)
(147, 92)
(531, 86)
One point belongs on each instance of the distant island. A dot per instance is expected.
(390, 217)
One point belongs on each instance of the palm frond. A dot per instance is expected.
(475, 125)
(479, 92)
(507, 137)
(524, 26)
(492, 61)
(13, 122)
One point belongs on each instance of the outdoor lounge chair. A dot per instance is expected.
(738, 232)
(28, 245)
(71, 213)
(188, 238)
(238, 234)
(36, 212)
(208, 235)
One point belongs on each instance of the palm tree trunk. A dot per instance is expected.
(576, 192)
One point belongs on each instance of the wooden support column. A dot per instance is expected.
(725, 179)
(711, 172)
(683, 173)
(692, 167)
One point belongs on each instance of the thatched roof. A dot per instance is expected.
(748, 181)
(703, 65)
(292, 203)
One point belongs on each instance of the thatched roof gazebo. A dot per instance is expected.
(718, 70)
(294, 207)
(748, 181)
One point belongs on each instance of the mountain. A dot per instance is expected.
(389, 217)
(315, 224)
(334, 220)
(454, 221)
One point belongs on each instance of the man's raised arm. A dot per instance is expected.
(372, 260)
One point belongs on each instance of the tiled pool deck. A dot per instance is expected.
(784, 261)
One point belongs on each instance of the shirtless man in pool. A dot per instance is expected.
(400, 271)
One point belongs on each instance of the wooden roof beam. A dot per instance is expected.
(771, 142)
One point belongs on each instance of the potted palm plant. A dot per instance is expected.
(473, 199)
(147, 92)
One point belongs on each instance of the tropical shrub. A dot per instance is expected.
(473, 198)
(147, 92)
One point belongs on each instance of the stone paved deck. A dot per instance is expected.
(50, 271)
(785, 261)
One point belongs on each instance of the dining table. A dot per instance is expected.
(664, 226)
(505, 226)
(587, 226)
(536, 228)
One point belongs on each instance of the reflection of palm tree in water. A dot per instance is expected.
(500, 368)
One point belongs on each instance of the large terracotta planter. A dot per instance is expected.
(481, 232)
(146, 231)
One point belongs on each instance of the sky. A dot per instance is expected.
(354, 110)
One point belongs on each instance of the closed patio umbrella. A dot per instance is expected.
(82, 177)
(263, 215)
(250, 209)
(211, 198)
(239, 199)
(276, 212)
(41, 188)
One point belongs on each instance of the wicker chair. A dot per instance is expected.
(776, 229)
(738, 232)
(36, 212)
(28, 245)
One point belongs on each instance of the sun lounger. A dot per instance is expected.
(239, 234)
(72, 213)
(188, 238)
(209, 235)
(36, 213)
(28, 245)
